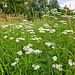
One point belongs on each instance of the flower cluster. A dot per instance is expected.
(67, 31)
(17, 40)
(20, 53)
(57, 66)
(35, 66)
(5, 26)
(46, 25)
(30, 50)
(19, 26)
(52, 31)
(54, 58)
(56, 25)
(70, 62)
(36, 38)
(13, 64)
(42, 30)
(49, 43)
(31, 31)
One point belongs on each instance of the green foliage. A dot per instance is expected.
(53, 4)
(27, 7)
(15, 6)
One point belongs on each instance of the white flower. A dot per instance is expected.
(28, 52)
(56, 26)
(41, 31)
(41, 28)
(53, 47)
(26, 48)
(32, 32)
(57, 66)
(52, 31)
(70, 62)
(60, 69)
(11, 38)
(36, 38)
(5, 26)
(5, 36)
(19, 26)
(73, 63)
(62, 21)
(16, 59)
(37, 51)
(13, 64)
(30, 45)
(20, 53)
(64, 32)
(17, 40)
(54, 58)
(20, 38)
(68, 30)
(49, 44)
(25, 3)
(35, 66)
(24, 20)
(54, 65)
(46, 25)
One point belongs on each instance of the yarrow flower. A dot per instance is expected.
(53, 47)
(31, 31)
(11, 38)
(67, 31)
(37, 51)
(64, 32)
(19, 26)
(17, 40)
(54, 58)
(70, 62)
(35, 66)
(36, 38)
(13, 64)
(5, 26)
(5, 36)
(42, 30)
(46, 25)
(57, 66)
(30, 50)
(20, 53)
(24, 20)
(52, 31)
(49, 43)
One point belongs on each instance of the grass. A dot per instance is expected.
(64, 48)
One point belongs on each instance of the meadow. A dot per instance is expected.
(43, 47)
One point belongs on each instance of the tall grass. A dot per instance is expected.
(47, 35)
